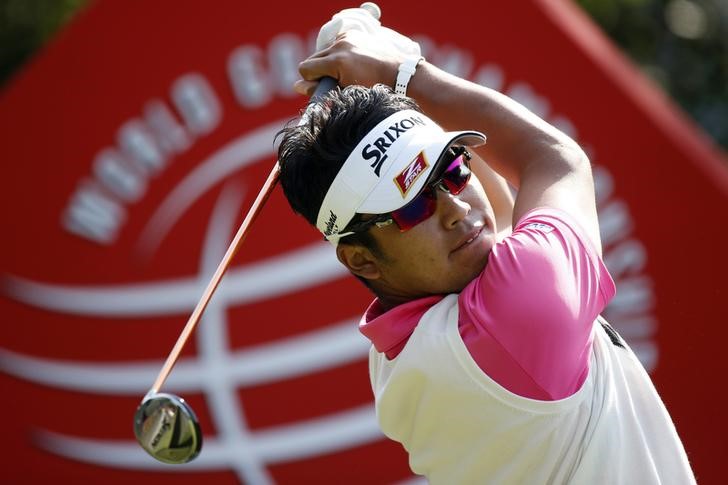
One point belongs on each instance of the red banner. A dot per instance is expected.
(134, 144)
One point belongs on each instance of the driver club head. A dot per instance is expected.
(167, 428)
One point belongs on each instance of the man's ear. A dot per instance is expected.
(359, 260)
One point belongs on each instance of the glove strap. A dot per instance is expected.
(406, 71)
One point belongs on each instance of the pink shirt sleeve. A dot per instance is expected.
(527, 319)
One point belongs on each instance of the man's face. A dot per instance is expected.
(437, 256)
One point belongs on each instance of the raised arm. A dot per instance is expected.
(548, 168)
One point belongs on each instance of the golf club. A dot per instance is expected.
(164, 424)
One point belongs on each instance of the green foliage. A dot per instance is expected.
(682, 45)
(25, 25)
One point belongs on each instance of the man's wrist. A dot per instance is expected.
(406, 70)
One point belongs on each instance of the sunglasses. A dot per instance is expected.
(453, 179)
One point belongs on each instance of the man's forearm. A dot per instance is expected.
(548, 168)
(516, 136)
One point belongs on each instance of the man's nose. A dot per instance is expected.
(451, 208)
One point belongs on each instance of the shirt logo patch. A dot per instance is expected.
(407, 177)
(539, 227)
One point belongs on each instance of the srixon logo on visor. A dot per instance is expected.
(378, 149)
(410, 174)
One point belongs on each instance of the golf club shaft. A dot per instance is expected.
(325, 85)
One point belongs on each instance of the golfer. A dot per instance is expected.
(489, 360)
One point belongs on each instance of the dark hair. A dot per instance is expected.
(311, 154)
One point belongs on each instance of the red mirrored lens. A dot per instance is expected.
(456, 175)
(419, 209)
(455, 178)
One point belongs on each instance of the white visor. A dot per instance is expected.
(385, 171)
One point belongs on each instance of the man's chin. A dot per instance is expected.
(473, 272)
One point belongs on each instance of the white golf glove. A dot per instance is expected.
(361, 19)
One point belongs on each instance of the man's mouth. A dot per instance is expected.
(475, 234)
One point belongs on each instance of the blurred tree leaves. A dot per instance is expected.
(25, 25)
(681, 44)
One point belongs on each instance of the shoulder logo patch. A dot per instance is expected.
(539, 227)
